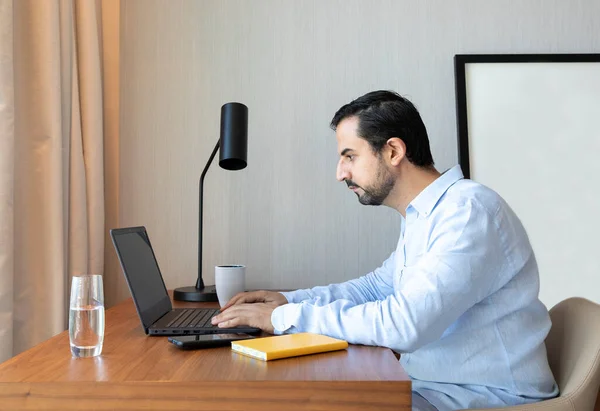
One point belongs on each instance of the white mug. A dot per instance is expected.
(229, 280)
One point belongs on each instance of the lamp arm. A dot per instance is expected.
(200, 281)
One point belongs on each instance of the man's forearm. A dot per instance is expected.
(358, 291)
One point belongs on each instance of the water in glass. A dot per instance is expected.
(86, 330)
(86, 316)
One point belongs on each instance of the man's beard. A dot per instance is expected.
(376, 194)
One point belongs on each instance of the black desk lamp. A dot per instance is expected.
(233, 156)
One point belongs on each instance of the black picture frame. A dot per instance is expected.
(460, 63)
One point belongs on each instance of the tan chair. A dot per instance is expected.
(573, 346)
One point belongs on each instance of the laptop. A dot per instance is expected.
(150, 294)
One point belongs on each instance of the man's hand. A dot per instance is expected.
(271, 298)
(254, 315)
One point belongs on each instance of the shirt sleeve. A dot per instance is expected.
(376, 285)
(459, 269)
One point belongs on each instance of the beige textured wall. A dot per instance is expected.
(294, 63)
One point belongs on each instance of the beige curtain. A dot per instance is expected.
(51, 162)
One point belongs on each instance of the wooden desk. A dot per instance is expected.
(140, 372)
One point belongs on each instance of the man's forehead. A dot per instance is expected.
(350, 143)
(347, 137)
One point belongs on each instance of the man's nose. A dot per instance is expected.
(341, 173)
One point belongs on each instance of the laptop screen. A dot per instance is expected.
(142, 273)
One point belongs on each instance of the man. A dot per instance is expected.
(458, 298)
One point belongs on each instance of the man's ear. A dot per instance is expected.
(396, 150)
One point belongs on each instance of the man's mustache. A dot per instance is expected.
(351, 184)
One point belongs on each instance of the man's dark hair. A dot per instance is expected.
(383, 115)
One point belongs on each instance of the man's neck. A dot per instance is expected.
(409, 184)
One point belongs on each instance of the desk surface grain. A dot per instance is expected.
(133, 365)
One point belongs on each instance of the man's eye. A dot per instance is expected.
(350, 157)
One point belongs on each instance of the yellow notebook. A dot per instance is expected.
(290, 345)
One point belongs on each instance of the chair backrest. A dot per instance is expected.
(573, 346)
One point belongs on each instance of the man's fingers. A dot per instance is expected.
(239, 298)
(230, 323)
(225, 315)
(232, 318)
(244, 298)
(253, 315)
(235, 315)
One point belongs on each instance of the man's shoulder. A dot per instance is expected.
(468, 196)
(469, 193)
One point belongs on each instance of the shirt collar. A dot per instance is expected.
(426, 200)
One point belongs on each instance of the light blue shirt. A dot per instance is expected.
(458, 298)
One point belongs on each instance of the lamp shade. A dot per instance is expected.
(234, 136)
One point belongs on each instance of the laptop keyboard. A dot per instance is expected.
(193, 319)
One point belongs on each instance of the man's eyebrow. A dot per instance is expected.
(345, 151)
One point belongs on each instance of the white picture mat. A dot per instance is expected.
(534, 137)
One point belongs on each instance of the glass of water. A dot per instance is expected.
(86, 316)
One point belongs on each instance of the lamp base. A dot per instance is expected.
(206, 294)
